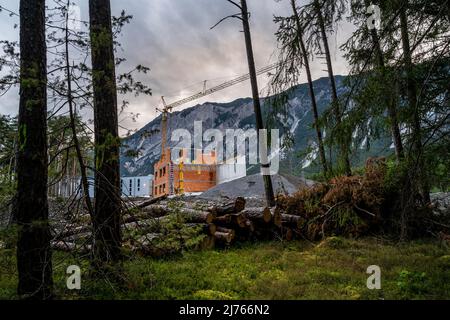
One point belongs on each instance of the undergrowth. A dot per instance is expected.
(332, 269)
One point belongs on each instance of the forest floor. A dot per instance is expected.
(332, 269)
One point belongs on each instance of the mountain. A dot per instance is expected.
(142, 149)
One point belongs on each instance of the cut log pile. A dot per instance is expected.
(221, 224)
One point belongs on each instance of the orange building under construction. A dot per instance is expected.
(181, 176)
(175, 174)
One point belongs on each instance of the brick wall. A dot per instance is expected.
(197, 177)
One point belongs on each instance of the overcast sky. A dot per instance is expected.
(173, 38)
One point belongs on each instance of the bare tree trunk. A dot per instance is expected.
(270, 198)
(34, 256)
(343, 145)
(312, 95)
(414, 107)
(84, 180)
(106, 221)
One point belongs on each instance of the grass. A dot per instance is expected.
(333, 269)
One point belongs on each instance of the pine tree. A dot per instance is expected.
(34, 256)
(107, 242)
(305, 54)
(321, 16)
(413, 102)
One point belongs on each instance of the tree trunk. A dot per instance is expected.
(106, 222)
(276, 217)
(262, 215)
(34, 255)
(293, 221)
(207, 228)
(270, 198)
(312, 95)
(224, 238)
(233, 207)
(226, 230)
(414, 107)
(344, 161)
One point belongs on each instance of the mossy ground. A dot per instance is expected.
(333, 269)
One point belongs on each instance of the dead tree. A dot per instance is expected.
(243, 15)
(321, 25)
(270, 198)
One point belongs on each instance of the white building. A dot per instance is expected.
(130, 186)
(136, 186)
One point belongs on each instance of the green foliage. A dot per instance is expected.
(8, 146)
(172, 235)
(334, 269)
(412, 284)
(395, 175)
(177, 236)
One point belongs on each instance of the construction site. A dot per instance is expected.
(175, 174)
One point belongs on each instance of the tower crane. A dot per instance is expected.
(167, 108)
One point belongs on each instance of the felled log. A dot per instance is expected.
(238, 220)
(150, 202)
(145, 245)
(156, 210)
(288, 234)
(147, 223)
(70, 246)
(276, 217)
(293, 221)
(223, 220)
(226, 230)
(246, 233)
(78, 237)
(262, 215)
(147, 239)
(195, 216)
(191, 215)
(250, 226)
(206, 228)
(72, 230)
(141, 215)
(224, 238)
(266, 233)
(207, 243)
(233, 207)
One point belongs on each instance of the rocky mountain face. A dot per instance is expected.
(142, 149)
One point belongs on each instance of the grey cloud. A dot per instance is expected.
(174, 39)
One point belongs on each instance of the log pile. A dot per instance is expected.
(221, 224)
